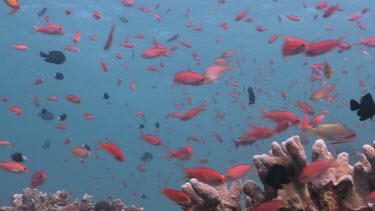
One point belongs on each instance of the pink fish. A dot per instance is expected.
(51, 29)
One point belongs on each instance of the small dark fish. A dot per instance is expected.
(86, 147)
(251, 95)
(106, 96)
(46, 145)
(174, 37)
(63, 117)
(42, 12)
(55, 57)
(58, 76)
(366, 109)
(147, 157)
(157, 125)
(123, 19)
(46, 115)
(143, 196)
(277, 176)
(18, 157)
(141, 126)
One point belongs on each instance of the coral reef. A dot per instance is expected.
(33, 200)
(341, 187)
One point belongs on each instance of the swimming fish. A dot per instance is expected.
(46, 115)
(277, 176)
(18, 157)
(333, 132)
(251, 95)
(59, 76)
(147, 157)
(366, 108)
(55, 57)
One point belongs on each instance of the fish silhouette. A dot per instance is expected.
(366, 108)
(55, 57)
(251, 95)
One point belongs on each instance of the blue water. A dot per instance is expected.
(153, 94)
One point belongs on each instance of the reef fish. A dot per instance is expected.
(251, 94)
(333, 132)
(38, 179)
(366, 107)
(14, 167)
(55, 57)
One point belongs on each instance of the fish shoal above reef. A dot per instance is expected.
(340, 187)
(34, 200)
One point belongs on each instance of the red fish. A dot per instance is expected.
(314, 170)
(112, 149)
(241, 15)
(38, 179)
(20, 47)
(14, 167)
(16, 110)
(281, 116)
(294, 47)
(370, 42)
(316, 49)
(156, 52)
(72, 98)
(82, 152)
(183, 154)
(189, 78)
(251, 136)
(152, 139)
(322, 93)
(51, 29)
(269, 206)
(77, 37)
(205, 175)
(237, 172)
(176, 196)
(305, 107)
(110, 38)
(328, 12)
(191, 113)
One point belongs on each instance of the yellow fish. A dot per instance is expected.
(14, 5)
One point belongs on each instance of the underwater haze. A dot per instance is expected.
(147, 96)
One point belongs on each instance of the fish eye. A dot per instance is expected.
(25, 169)
(303, 45)
(60, 28)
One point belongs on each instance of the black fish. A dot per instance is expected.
(59, 76)
(147, 157)
(366, 110)
(157, 125)
(46, 115)
(277, 175)
(251, 95)
(106, 96)
(18, 157)
(124, 19)
(174, 37)
(63, 117)
(86, 147)
(141, 126)
(42, 12)
(46, 145)
(55, 57)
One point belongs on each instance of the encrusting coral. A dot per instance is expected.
(341, 187)
(33, 200)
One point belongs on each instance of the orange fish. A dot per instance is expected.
(281, 126)
(51, 29)
(325, 46)
(281, 116)
(214, 72)
(183, 154)
(305, 107)
(237, 172)
(16, 110)
(314, 170)
(14, 167)
(176, 196)
(191, 113)
(328, 12)
(205, 175)
(152, 139)
(72, 98)
(14, 5)
(251, 136)
(294, 47)
(189, 78)
(269, 206)
(113, 149)
(322, 93)
(38, 179)
(82, 152)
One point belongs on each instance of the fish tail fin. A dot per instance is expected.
(36, 28)
(100, 144)
(354, 105)
(264, 114)
(170, 153)
(42, 54)
(236, 143)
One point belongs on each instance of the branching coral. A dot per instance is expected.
(341, 187)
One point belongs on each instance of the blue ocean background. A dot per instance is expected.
(154, 95)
